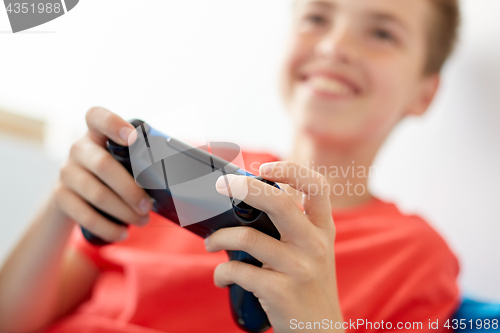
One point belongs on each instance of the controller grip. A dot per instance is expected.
(93, 239)
(245, 307)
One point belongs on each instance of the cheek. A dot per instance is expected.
(391, 85)
(297, 53)
(388, 99)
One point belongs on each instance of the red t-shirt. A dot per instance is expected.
(390, 266)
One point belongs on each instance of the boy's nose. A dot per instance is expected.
(338, 46)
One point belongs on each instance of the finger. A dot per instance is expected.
(247, 276)
(82, 213)
(104, 124)
(100, 162)
(312, 184)
(95, 192)
(279, 206)
(259, 245)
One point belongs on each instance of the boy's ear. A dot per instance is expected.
(428, 89)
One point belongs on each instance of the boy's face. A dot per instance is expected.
(354, 68)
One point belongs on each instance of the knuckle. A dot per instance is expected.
(232, 267)
(98, 195)
(321, 249)
(102, 162)
(283, 203)
(89, 221)
(75, 149)
(303, 270)
(246, 237)
(108, 119)
(278, 289)
(281, 292)
(65, 172)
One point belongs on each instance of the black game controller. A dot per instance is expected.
(181, 180)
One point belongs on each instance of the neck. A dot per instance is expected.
(346, 168)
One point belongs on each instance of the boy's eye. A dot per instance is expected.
(316, 19)
(384, 35)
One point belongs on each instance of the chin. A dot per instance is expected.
(332, 132)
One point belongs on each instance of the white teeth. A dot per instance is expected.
(330, 85)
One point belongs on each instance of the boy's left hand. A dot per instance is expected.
(298, 278)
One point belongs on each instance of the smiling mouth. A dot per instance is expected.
(330, 86)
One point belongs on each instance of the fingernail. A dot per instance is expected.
(223, 181)
(145, 205)
(207, 241)
(267, 169)
(123, 236)
(144, 220)
(125, 133)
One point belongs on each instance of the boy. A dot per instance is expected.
(353, 70)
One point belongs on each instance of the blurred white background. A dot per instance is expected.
(165, 61)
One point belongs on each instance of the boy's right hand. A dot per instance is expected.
(92, 176)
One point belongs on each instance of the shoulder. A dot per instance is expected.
(421, 234)
(381, 225)
(429, 248)
(405, 266)
(428, 270)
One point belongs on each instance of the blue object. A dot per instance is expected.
(476, 316)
